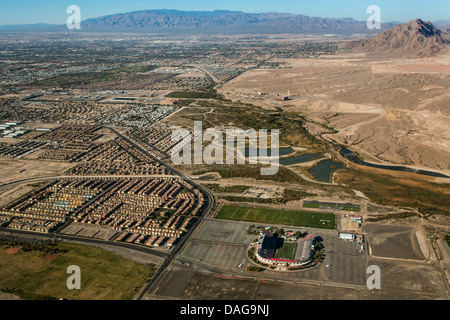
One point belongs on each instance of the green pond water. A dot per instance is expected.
(323, 170)
(300, 159)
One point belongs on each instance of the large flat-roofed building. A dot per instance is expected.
(346, 236)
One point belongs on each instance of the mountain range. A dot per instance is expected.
(219, 21)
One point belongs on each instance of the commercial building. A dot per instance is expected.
(346, 236)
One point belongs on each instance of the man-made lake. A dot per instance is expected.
(283, 151)
(324, 169)
(300, 159)
(351, 156)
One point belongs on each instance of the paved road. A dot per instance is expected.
(169, 257)
(209, 73)
(19, 182)
(209, 204)
(88, 240)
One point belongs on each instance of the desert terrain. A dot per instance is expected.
(395, 110)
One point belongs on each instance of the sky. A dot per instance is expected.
(54, 11)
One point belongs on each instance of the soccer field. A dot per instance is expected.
(279, 217)
(287, 251)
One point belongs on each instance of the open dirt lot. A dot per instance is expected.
(14, 170)
(390, 241)
(183, 283)
(7, 296)
(89, 231)
(13, 194)
(409, 280)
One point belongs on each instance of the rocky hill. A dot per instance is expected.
(414, 39)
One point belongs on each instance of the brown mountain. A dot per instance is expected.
(414, 39)
(223, 21)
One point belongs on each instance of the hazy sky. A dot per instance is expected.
(54, 11)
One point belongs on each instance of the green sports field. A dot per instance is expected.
(278, 217)
(287, 251)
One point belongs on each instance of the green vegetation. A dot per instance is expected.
(251, 255)
(280, 217)
(228, 189)
(318, 205)
(258, 229)
(193, 95)
(426, 197)
(133, 69)
(287, 251)
(183, 102)
(447, 238)
(318, 252)
(383, 217)
(248, 171)
(215, 113)
(39, 272)
(311, 205)
(288, 195)
(255, 269)
(126, 72)
(48, 247)
(300, 234)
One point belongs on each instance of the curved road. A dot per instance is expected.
(209, 73)
(209, 204)
(169, 257)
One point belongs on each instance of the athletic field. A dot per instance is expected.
(287, 251)
(278, 217)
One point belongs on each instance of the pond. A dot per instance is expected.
(283, 151)
(299, 159)
(324, 169)
(351, 156)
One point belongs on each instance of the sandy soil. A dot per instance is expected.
(14, 169)
(13, 250)
(51, 257)
(397, 110)
(7, 296)
(13, 194)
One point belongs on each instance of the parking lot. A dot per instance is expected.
(221, 246)
(209, 268)
(89, 231)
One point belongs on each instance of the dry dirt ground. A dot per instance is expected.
(395, 110)
(14, 169)
(391, 241)
(7, 296)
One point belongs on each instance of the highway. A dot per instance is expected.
(209, 204)
(51, 236)
(209, 73)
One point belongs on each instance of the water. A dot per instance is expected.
(324, 170)
(351, 156)
(283, 151)
(300, 159)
